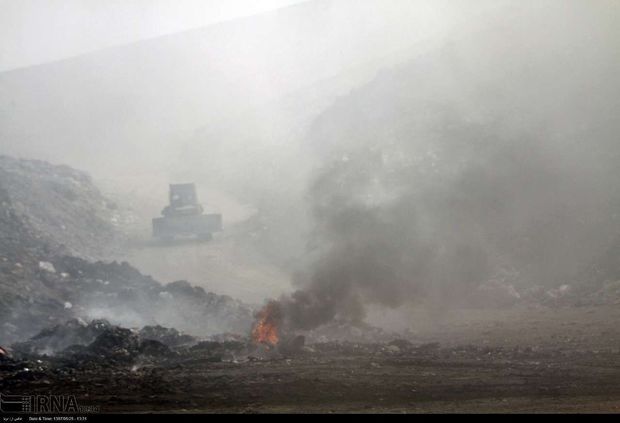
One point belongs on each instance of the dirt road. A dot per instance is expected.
(220, 265)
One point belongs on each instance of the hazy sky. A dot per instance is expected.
(39, 31)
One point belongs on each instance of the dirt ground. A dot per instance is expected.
(515, 360)
(221, 265)
(229, 264)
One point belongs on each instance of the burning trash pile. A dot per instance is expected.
(95, 345)
(69, 287)
(271, 331)
(101, 347)
(266, 327)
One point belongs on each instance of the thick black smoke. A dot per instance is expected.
(463, 166)
(394, 228)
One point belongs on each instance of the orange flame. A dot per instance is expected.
(265, 330)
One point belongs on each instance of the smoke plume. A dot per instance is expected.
(460, 168)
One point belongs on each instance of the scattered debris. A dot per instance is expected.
(47, 266)
(167, 336)
(59, 337)
(349, 331)
(114, 291)
(153, 348)
(559, 292)
(60, 207)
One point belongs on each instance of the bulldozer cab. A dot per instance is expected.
(184, 216)
(182, 195)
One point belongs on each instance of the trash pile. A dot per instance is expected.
(61, 336)
(76, 343)
(56, 352)
(99, 346)
(61, 207)
(70, 287)
(53, 224)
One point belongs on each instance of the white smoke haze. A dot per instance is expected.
(382, 153)
(446, 172)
